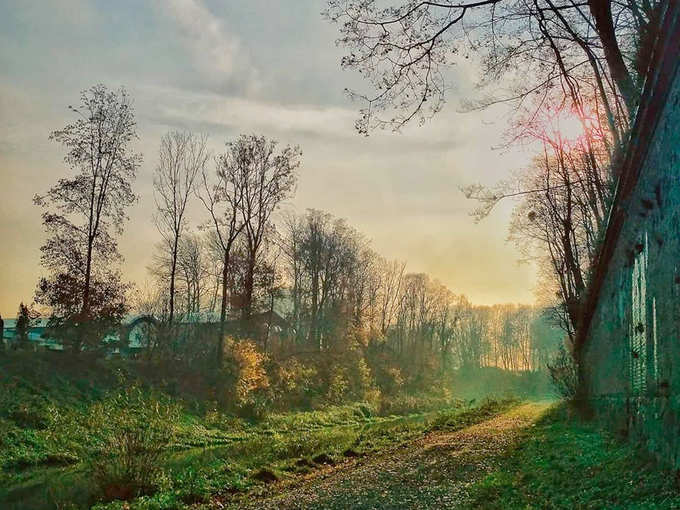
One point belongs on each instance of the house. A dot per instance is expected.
(36, 336)
(135, 332)
(629, 336)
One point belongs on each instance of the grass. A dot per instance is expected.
(321, 438)
(47, 440)
(53, 425)
(562, 463)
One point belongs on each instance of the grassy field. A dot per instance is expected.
(58, 427)
(243, 457)
(62, 434)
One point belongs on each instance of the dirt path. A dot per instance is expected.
(432, 472)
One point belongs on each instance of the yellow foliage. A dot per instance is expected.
(294, 376)
(252, 375)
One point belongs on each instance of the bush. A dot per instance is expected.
(252, 383)
(563, 373)
(134, 429)
(30, 415)
(405, 404)
(293, 383)
(338, 385)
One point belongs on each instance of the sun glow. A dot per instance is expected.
(568, 127)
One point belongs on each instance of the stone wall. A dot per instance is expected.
(632, 347)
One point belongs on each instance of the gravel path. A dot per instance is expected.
(432, 472)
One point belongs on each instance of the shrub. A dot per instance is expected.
(32, 415)
(252, 383)
(563, 373)
(134, 429)
(337, 386)
(293, 383)
(404, 404)
(360, 379)
(390, 380)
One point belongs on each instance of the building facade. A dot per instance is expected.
(629, 342)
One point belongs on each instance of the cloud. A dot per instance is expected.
(217, 54)
(215, 112)
(227, 114)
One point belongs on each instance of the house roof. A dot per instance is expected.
(658, 82)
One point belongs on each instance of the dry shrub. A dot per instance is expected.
(133, 429)
(563, 373)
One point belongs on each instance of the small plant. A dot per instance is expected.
(192, 485)
(563, 373)
(134, 428)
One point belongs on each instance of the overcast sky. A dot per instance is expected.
(224, 67)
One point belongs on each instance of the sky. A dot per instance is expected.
(269, 67)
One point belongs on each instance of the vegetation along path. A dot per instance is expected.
(434, 471)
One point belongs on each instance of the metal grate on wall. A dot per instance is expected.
(638, 323)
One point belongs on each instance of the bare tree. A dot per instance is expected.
(192, 264)
(268, 178)
(563, 198)
(392, 280)
(224, 201)
(291, 243)
(182, 156)
(83, 214)
(403, 49)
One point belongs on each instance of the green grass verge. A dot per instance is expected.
(320, 438)
(48, 438)
(563, 463)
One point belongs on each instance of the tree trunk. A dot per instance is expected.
(247, 310)
(313, 322)
(604, 24)
(173, 271)
(85, 311)
(223, 309)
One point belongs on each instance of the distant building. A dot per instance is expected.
(36, 336)
(135, 332)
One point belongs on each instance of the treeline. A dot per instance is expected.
(262, 305)
(322, 287)
(314, 314)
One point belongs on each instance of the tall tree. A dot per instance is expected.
(84, 213)
(223, 198)
(193, 267)
(403, 49)
(182, 156)
(269, 177)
